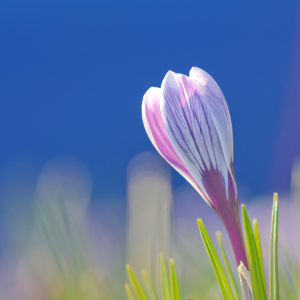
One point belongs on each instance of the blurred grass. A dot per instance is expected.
(72, 248)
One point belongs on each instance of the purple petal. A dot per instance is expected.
(193, 134)
(156, 131)
(214, 185)
(216, 104)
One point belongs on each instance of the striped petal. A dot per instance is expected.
(216, 104)
(194, 136)
(156, 131)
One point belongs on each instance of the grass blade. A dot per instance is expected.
(258, 247)
(258, 286)
(149, 285)
(164, 278)
(222, 280)
(229, 272)
(175, 295)
(129, 292)
(274, 276)
(137, 288)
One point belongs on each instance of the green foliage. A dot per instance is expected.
(175, 295)
(258, 247)
(169, 287)
(129, 292)
(254, 251)
(164, 278)
(150, 288)
(222, 280)
(136, 286)
(229, 272)
(274, 275)
(259, 292)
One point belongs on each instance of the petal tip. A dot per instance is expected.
(199, 75)
(152, 94)
(170, 75)
(193, 70)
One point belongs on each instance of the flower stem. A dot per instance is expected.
(234, 230)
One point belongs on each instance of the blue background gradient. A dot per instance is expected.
(73, 75)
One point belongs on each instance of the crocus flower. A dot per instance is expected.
(188, 122)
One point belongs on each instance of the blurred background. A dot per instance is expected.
(82, 191)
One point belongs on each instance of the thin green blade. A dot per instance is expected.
(164, 278)
(258, 247)
(129, 292)
(149, 285)
(137, 288)
(227, 266)
(222, 280)
(258, 287)
(175, 295)
(274, 275)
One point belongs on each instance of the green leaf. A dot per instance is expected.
(164, 278)
(129, 292)
(223, 283)
(258, 247)
(137, 288)
(227, 266)
(274, 276)
(175, 295)
(149, 285)
(256, 277)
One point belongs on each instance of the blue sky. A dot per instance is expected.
(73, 74)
